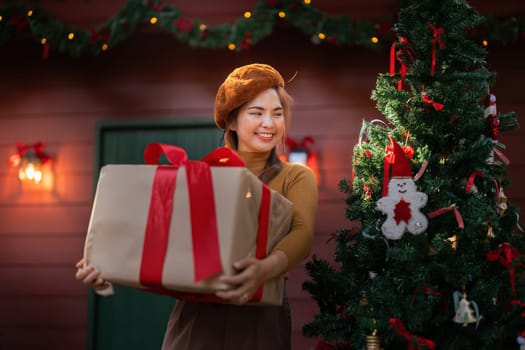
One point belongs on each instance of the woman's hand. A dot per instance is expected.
(251, 273)
(90, 276)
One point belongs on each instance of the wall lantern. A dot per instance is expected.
(301, 152)
(31, 161)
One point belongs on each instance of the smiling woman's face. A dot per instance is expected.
(260, 124)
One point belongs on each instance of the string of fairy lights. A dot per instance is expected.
(18, 20)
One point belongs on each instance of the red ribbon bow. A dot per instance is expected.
(436, 32)
(22, 149)
(206, 252)
(206, 247)
(437, 106)
(401, 330)
(305, 143)
(505, 254)
(37, 148)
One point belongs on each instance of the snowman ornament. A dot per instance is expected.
(400, 202)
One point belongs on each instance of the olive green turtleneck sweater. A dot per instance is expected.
(298, 184)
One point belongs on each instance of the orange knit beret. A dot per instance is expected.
(241, 86)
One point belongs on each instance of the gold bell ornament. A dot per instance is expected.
(466, 311)
(373, 342)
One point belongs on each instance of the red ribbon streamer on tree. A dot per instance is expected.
(520, 304)
(459, 218)
(427, 291)
(400, 329)
(471, 179)
(398, 56)
(436, 32)
(505, 254)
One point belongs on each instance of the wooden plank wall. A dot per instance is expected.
(59, 101)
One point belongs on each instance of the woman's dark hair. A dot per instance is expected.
(273, 165)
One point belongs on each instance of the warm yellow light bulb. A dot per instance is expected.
(104, 47)
(30, 13)
(153, 20)
(374, 39)
(29, 172)
(71, 36)
(247, 14)
(321, 36)
(43, 41)
(307, 2)
(202, 27)
(1, 18)
(282, 14)
(485, 43)
(231, 46)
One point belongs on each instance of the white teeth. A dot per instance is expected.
(265, 135)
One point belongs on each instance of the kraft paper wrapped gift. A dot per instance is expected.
(174, 229)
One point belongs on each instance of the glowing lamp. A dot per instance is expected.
(302, 153)
(30, 168)
(30, 160)
(299, 156)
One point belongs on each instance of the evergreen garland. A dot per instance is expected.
(16, 19)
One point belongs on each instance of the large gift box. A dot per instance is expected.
(174, 229)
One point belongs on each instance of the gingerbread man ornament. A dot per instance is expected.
(402, 202)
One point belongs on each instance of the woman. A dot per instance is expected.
(253, 109)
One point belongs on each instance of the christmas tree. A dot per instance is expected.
(433, 255)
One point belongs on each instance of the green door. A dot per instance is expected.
(132, 319)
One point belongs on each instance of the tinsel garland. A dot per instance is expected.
(16, 19)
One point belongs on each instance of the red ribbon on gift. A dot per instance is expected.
(401, 330)
(505, 254)
(262, 233)
(206, 251)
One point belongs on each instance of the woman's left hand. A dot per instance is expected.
(251, 273)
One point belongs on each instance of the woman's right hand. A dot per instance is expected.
(90, 276)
